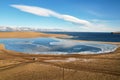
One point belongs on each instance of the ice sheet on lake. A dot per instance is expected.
(56, 46)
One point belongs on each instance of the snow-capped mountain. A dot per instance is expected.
(4, 28)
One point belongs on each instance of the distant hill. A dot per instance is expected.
(115, 32)
(10, 29)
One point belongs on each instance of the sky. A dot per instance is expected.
(70, 15)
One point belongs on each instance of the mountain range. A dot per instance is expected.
(6, 28)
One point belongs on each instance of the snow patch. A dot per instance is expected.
(69, 60)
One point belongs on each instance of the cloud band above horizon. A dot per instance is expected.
(49, 13)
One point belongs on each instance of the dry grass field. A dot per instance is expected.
(19, 66)
(28, 35)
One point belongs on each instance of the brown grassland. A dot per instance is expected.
(19, 66)
(28, 35)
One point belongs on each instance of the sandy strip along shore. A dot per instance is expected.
(29, 35)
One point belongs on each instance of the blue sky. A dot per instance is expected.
(73, 15)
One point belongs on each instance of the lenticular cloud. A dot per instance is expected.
(49, 13)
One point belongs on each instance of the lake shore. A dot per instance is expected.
(30, 35)
(19, 66)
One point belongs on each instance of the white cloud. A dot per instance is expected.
(95, 13)
(47, 13)
(76, 20)
(93, 26)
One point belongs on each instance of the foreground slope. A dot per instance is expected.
(18, 66)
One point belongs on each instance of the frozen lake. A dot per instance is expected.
(55, 46)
